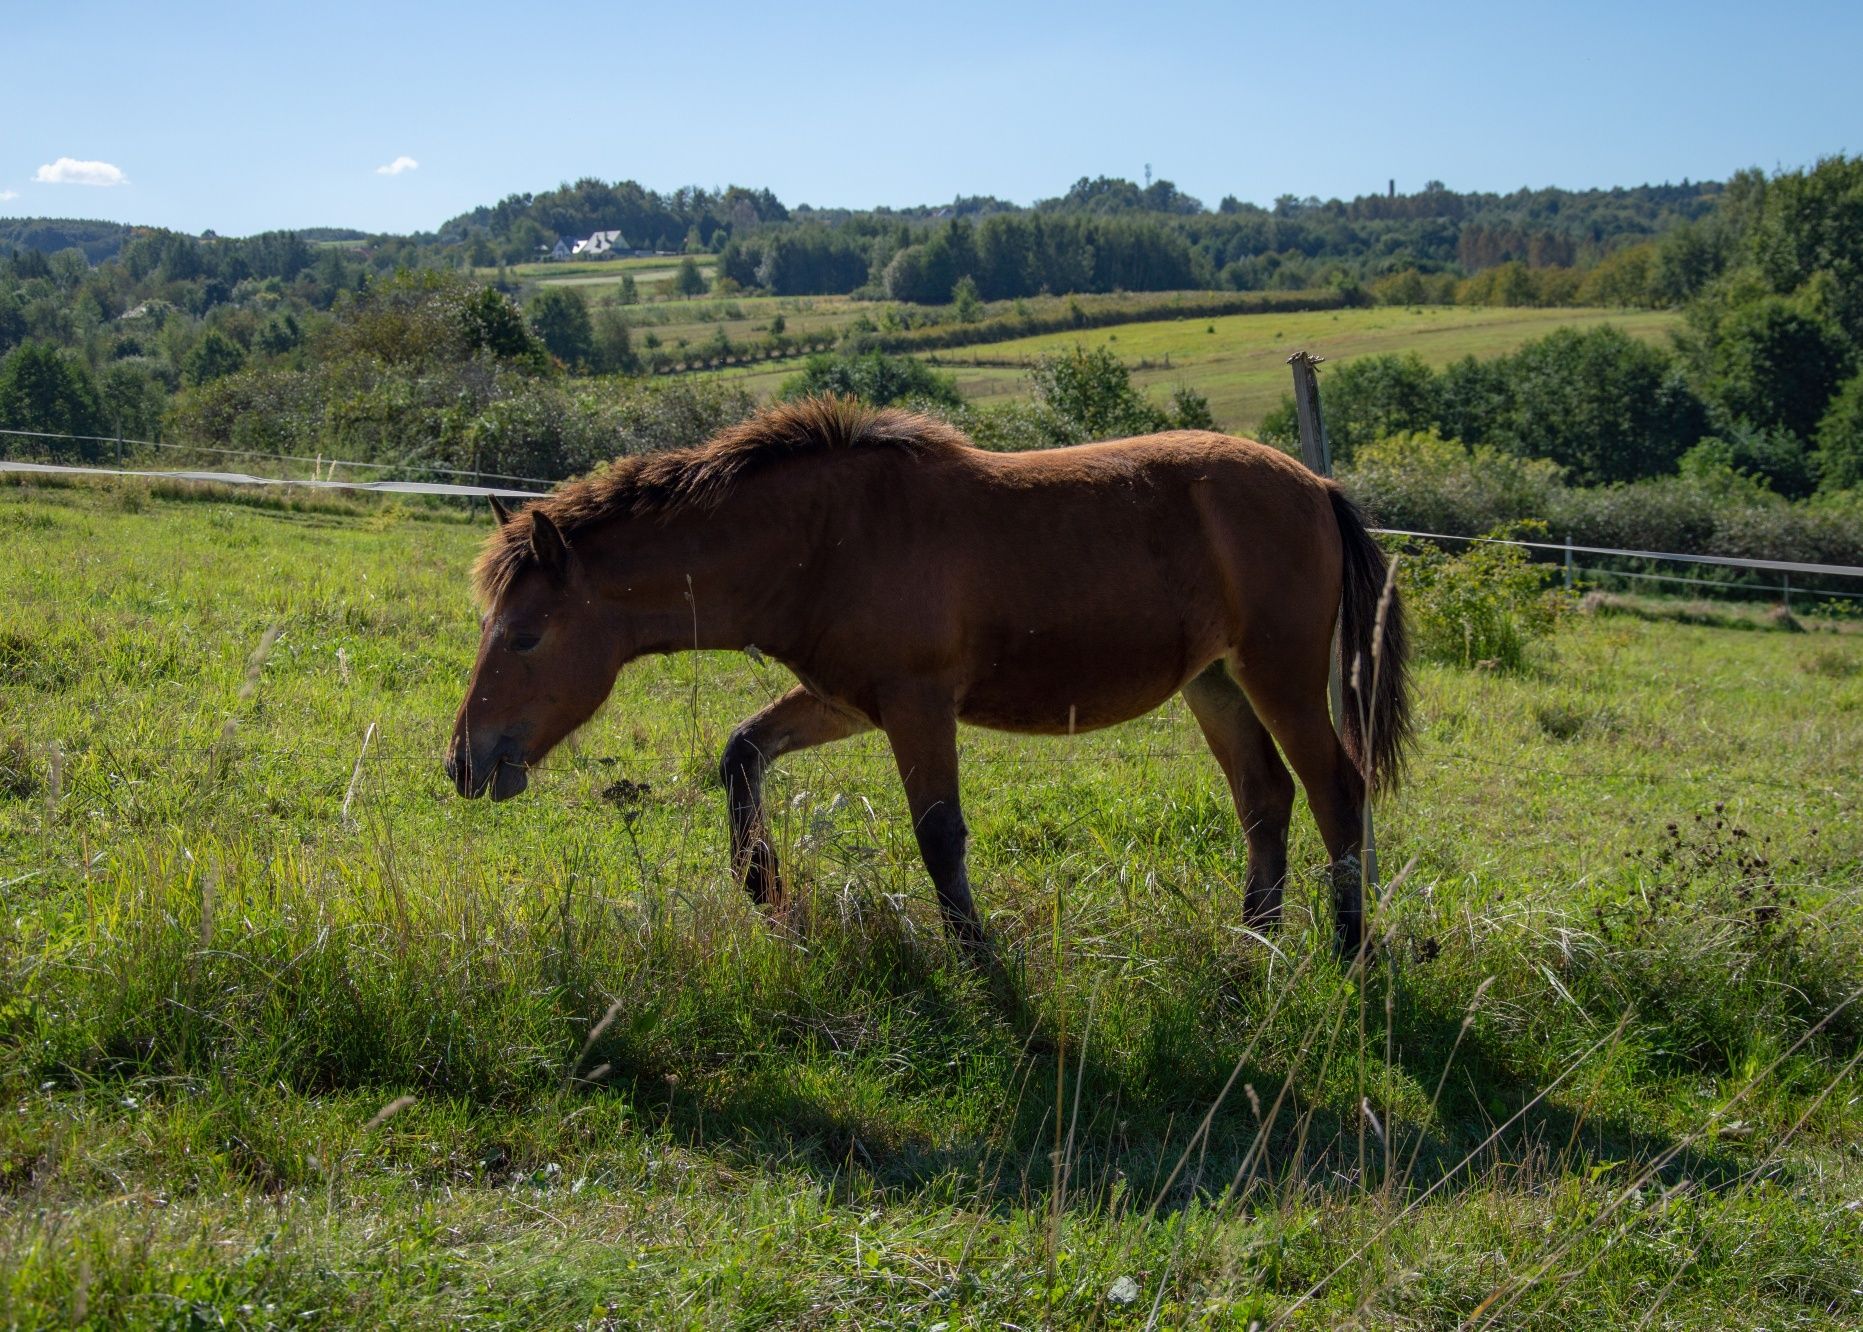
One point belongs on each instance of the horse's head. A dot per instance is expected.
(546, 660)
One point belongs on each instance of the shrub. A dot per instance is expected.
(262, 409)
(1599, 403)
(688, 281)
(1426, 483)
(873, 376)
(425, 317)
(1092, 396)
(1080, 395)
(1483, 607)
(643, 417)
(1774, 456)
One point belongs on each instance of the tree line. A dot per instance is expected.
(1766, 379)
(174, 331)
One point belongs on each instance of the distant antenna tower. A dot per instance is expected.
(1148, 175)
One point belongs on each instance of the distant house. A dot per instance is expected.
(600, 245)
(565, 248)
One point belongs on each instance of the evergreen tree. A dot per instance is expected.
(42, 388)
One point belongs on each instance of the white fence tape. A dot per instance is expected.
(331, 463)
(465, 491)
(1731, 561)
(242, 479)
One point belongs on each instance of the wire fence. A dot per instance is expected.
(319, 464)
(324, 468)
(1575, 572)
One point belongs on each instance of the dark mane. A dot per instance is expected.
(658, 485)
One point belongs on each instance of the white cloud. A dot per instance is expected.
(396, 167)
(8, 194)
(70, 171)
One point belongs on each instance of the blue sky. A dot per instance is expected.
(253, 116)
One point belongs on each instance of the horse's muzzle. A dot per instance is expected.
(501, 771)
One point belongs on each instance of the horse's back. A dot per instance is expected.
(1083, 586)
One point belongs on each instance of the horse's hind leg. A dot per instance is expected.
(1258, 780)
(923, 733)
(1289, 695)
(797, 720)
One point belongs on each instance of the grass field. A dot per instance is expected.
(597, 278)
(292, 1036)
(1239, 361)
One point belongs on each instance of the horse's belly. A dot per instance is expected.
(1053, 693)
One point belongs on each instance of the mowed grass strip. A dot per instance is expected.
(1603, 1071)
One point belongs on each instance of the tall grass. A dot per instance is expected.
(290, 1036)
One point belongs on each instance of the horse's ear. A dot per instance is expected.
(500, 514)
(547, 545)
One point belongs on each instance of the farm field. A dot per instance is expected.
(597, 278)
(679, 321)
(745, 318)
(1240, 366)
(292, 1036)
(1239, 361)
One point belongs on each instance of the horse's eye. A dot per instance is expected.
(524, 642)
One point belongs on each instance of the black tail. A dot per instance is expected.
(1374, 653)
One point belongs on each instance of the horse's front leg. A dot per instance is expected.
(923, 733)
(797, 720)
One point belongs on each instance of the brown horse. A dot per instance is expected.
(912, 581)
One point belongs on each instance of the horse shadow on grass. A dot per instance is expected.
(1172, 1122)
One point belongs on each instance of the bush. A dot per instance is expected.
(1483, 607)
(1091, 396)
(478, 415)
(426, 317)
(554, 431)
(1775, 456)
(1426, 483)
(688, 281)
(1079, 396)
(874, 377)
(643, 417)
(265, 410)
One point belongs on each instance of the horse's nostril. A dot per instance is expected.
(458, 765)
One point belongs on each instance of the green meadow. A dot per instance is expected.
(1239, 362)
(597, 278)
(292, 1036)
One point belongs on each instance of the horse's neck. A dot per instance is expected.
(710, 581)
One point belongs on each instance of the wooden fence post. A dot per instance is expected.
(1316, 451)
